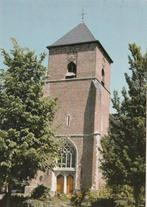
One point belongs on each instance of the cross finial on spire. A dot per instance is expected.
(83, 15)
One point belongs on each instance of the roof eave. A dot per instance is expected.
(104, 51)
(80, 43)
(70, 44)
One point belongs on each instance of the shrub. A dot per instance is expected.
(104, 192)
(103, 202)
(77, 198)
(16, 200)
(35, 203)
(41, 192)
(90, 198)
(123, 196)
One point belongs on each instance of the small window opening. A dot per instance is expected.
(68, 120)
(41, 178)
(71, 70)
(103, 77)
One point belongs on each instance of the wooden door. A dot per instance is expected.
(60, 184)
(70, 184)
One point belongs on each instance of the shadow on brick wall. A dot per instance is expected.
(88, 141)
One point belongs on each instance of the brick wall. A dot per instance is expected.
(82, 55)
(76, 99)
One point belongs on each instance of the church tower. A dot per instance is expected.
(79, 77)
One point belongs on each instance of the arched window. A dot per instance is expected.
(103, 77)
(71, 70)
(67, 157)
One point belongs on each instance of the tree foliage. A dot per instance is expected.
(27, 143)
(123, 149)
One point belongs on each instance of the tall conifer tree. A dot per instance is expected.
(123, 149)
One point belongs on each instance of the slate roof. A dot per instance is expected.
(79, 35)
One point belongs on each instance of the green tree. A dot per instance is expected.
(123, 149)
(27, 142)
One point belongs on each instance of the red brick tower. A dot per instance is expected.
(79, 77)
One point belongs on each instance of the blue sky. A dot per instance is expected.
(115, 23)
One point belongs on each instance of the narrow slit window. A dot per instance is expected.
(103, 77)
(68, 120)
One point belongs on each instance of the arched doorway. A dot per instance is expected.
(60, 184)
(70, 184)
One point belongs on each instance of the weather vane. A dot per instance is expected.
(83, 15)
